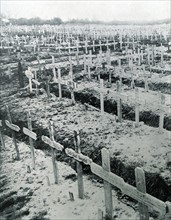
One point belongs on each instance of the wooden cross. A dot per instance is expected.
(72, 86)
(29, 75)
(13, 128)
(32, 136)
(55, 146)
(145, 75)
(108, 60)
(141, 187)
(139, 193)
(35, 81)
(1, 136)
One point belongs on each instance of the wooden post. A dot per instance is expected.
(1, 136)
(119, 103)
(59, 83)
(107, 185)
(161, 117)
(137, 107)
(90, 57)
(141, 186)
(101, 97)
(32, 136)
(13, 132)
(55, 167)
(89, 72)
(85, 66)
(79, 166)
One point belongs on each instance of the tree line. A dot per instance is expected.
(58, 21)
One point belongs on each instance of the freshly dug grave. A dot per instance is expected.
(129, 146)
(89, 92)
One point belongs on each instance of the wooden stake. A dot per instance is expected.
(31, 140)
(13, 133)
(79, 166)
(119, 103)
(107, 186)
(141, 186)
(101, 97)
(59, 83)
(55, 167)
(137, 106)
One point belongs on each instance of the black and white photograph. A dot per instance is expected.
(85, 110)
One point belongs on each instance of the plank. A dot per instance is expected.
(52, 144)
(0, 123)
(80, 157)
(13, 132)
(79, 166)
(30, 133)
(107, 185)
(141, 186)
(54, 163)
(12, 126)
(146, 199)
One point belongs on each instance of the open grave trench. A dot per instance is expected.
(96, 131)
(157, 185)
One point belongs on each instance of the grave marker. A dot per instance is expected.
(54, 146)
(14, 128)
(29, 75)
(79, 166)
(141, 186)
(137, 106)
(32, 136)
(72, 86)
(107, 185)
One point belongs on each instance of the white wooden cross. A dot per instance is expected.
(54, 146)
(146, 76)
(32, 136)
(72, 86)
(14, 128)
(29, 75)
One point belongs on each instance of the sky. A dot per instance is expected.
(135, 10)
